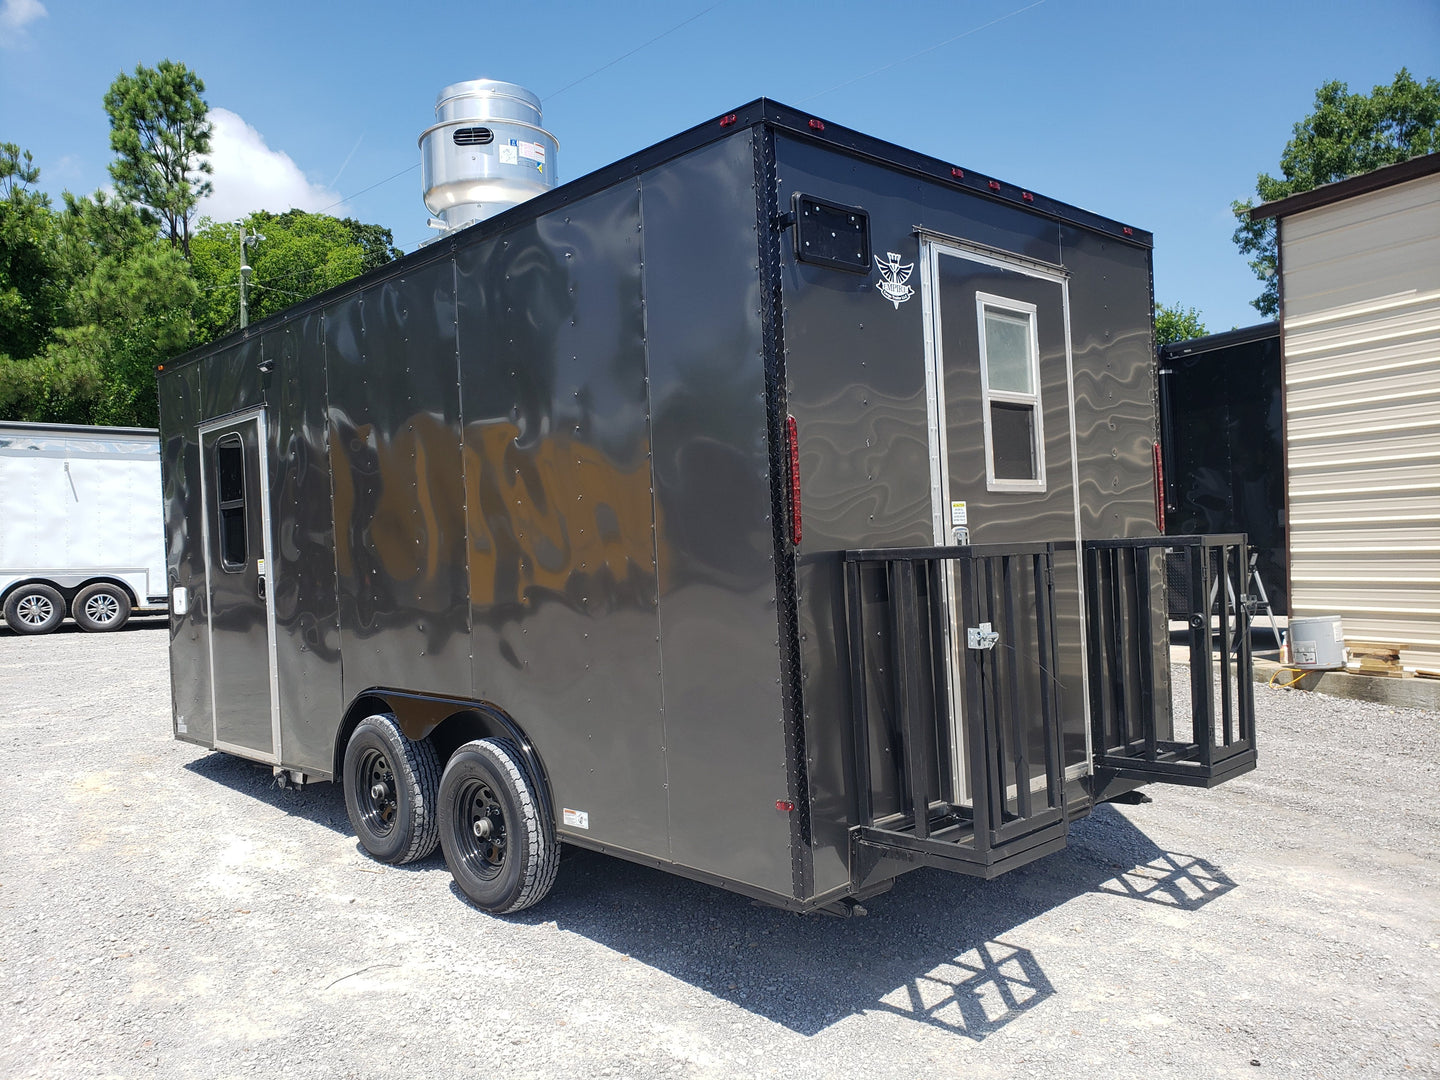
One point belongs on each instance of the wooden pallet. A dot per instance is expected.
(1375, 658)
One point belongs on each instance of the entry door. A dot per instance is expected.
(1002, 452)
(236, 492)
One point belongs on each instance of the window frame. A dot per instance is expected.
(1028, 312)
(225, 443)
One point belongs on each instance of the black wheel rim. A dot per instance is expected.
(375, 792)
(480, 829)
(35, 609)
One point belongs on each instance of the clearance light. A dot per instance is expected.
(792, 434)
(726, 121)
(958, 174)
(1027, 196)
(994, 185)
(818, 125)
(784, 805)
(1128, 231)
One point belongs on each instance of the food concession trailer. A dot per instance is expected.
(776, 506)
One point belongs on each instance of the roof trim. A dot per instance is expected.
(1226, 339)
(86, 429)
(1383, 177)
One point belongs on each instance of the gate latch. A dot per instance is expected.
(980, 637)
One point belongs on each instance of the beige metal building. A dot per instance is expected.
(1360, 340)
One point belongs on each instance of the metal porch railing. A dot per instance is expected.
(996, 662)
(1137, 733)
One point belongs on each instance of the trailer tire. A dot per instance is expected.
(390, 791)
(35, 608)
(492, 831)
(100, 607)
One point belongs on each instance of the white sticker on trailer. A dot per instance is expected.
(576, 819)
(958, 514)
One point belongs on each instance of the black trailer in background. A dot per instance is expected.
(1221, 428)
(776, 506)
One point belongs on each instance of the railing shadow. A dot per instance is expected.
(943, 950)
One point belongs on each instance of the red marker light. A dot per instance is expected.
(958, 174)
(818, 125)
(994, 185)
(1027, 196)
(784, 805)
(792, 434)
(726, 121)
(1129, 231)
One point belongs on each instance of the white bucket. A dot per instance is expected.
(1317, 643)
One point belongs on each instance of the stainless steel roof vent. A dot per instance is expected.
(485, 153)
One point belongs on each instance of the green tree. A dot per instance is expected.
(33, 279)
(160, 135)
(125, 307)
(301, 254)
(1175, 323)
(1347, 134)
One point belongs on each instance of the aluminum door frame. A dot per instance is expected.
(262, 451)
(932, 246)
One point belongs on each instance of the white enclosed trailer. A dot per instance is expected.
(81, 527)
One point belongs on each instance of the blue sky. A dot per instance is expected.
(1158, 114)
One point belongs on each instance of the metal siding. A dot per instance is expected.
(1116, 410)
(562, 579)
(307, 643)
(1362, 409)
(395, 456)
(724, 722)
(185, 554)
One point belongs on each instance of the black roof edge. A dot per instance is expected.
(89, 429)
(1226, 339)
(1383, 177)
(797, 122)
(760, 111)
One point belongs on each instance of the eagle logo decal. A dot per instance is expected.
(893, 276)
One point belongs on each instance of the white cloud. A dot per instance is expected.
(15, 16)
(250, 176)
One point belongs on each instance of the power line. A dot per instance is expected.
(372, 187)
(922, 52)
(633, 51)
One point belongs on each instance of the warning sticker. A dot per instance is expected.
(509, 155)
(532, 150)
(958, 515)
(576, 819)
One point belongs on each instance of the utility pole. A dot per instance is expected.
(245, 271)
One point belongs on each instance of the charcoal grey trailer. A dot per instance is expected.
(776, 506)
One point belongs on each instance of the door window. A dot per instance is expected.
(1010, 386)
(230, 491)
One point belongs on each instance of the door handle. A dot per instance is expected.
(260, 587)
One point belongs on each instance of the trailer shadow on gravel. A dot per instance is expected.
(940, 949)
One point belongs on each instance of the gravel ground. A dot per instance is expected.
(169, 912)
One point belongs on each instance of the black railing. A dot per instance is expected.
(1136, 732)
(996, 660)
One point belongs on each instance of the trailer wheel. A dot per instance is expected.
(34, 609)
(101, 607)
(491, 830)
(390, 791)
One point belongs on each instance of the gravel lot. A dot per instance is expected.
(168, 912)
